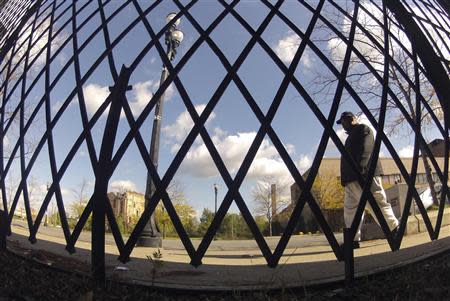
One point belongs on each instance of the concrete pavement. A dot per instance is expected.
(233, 265)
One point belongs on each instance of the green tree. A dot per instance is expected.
(328, 191)
(185, 212)
(205, 220)
(123, 227)
(226, 229)
(76, 209)
(54, 219)
(241, 229)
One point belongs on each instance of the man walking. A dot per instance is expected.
(359, 145)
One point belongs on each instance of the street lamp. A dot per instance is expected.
(151, 236)
(216, 188)
(46, 210)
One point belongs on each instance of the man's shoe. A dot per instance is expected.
(394, 232)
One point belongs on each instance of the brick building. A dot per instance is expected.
(127, 204)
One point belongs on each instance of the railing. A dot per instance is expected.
(49, 27)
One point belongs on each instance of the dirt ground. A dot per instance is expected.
(40, 276)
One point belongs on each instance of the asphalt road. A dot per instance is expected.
(296, 241)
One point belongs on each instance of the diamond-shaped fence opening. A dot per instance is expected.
(83, 98)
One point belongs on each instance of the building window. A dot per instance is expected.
(435, 177)
(392, 179)
(421, 178)
(393, 202)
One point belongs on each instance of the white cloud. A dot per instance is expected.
(269, 167)
(184, 124)
(233, 149)
(142, 95)
(122, 185)
(218, 132)
(406, 152)
(38, 46)
(95, 95)
(143, 92)
(287, 47)
(304, 163)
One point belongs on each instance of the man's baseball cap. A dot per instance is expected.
(346, 114)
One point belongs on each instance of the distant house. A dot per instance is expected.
(127, 204)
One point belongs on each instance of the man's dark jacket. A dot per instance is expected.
(355, 147)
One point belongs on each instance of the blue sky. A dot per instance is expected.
(232, 125)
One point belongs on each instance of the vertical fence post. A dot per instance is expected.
(103, 175)
(348, 258)
(98, 240)
(3, 229)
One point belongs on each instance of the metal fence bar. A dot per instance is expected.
(349, 261)
(420, 36)
(103, 175)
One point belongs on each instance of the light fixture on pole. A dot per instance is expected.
(151, 236)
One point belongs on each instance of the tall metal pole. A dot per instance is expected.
(216, 188)
(46, 210)
(215, 198)
(151, 235)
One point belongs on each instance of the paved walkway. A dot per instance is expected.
(229, 266)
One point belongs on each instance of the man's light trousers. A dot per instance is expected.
(353, 193)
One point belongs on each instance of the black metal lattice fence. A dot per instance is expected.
(35, 34)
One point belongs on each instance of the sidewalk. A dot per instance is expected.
(227, 268)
